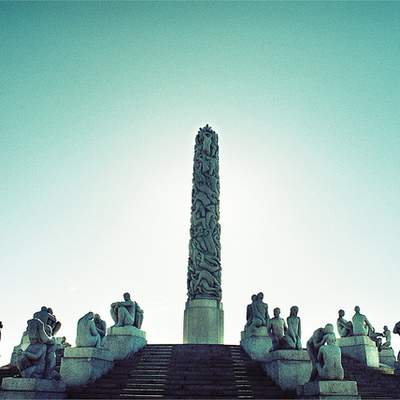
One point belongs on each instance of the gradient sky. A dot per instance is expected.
(100, 105)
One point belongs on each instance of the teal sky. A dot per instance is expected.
(100, 104)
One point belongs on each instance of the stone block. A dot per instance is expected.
(31, 388)
(360, 348)
(82, 365)
(124, 340)
(203, 322)
(387, 357)
(256, 343)
(329, 390)
(288, 368)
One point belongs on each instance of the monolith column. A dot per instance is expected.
(204, 316)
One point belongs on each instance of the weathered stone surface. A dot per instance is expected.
(124, 340)
(256, 342)
(31, 388)
(203, 322)
(360, 348)
(288, 368)
(82, 365)
(328, 390)
(387, 357)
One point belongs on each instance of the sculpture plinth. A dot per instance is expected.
(203, 322)
(32, 388)
(360, 348)
(203, 317)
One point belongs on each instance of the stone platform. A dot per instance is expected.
(82, 365)
(124, 340)
(203, 322)
(256, 343)
(343, 390)
(387, 357)
(31, 388)
(288, 368)
(360, 348)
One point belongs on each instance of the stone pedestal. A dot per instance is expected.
(82, 365)
(386, 356)
(31, 388)
(288, 368)
(203, 322)
(342, 390)
(360, 348)
(256, 342)
(124, 340)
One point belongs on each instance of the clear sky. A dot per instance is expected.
(100, 105)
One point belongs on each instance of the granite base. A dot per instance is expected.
(386, 356)
(344, 390)
(288, 368)
(31, 388)
(360, 348)
(124, 340)
(256, 343)
(82, 365)
(203, 322)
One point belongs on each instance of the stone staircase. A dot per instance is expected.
(372, 383)
(185, 372)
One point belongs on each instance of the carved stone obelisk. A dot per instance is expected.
(204, 316)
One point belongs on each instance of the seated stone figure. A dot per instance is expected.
(361, 325)
(86, 332)
(329, 360)
(344, 328)
(257, 312)
(127, 312)
(53, 322)
(317, 340)
(249, 312)
(293, 334)
(38, 360)
(277, 329)
(388, 336)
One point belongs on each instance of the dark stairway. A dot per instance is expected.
(372, 383)
(185, 372)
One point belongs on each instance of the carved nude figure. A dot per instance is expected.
(249, 312)
(329, 360)
(345, 328)
(101, 327)
(123, 312)
(317, 339)
(38, 360)
(293, 334)
(259, 311)
(277, 329)
(86, 332)
(388, 336)
(50, 322)
(361, 325)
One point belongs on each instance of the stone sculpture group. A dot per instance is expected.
(38, 360)
(360, 326)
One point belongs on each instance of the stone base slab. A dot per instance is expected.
(203, 322)
(82, 365)
(386, 356)
(31, 388)
(256, 342)
(288, 368)
(124, 340)
(329, 390)
(396, 366)
(360, 348)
